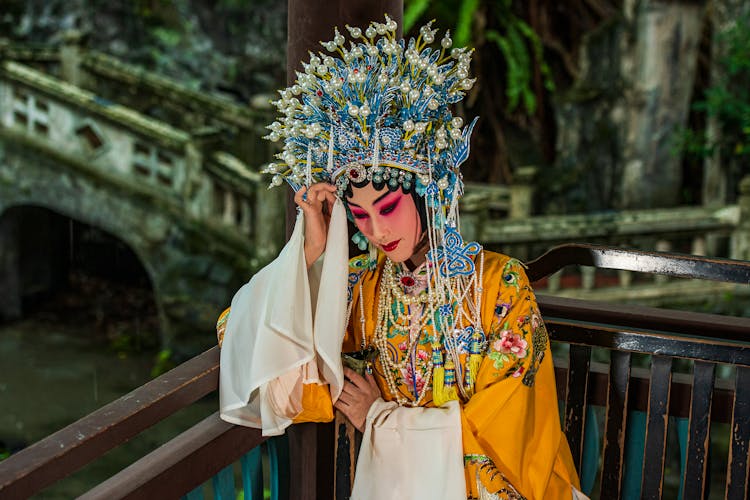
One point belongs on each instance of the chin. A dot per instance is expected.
(398, 255)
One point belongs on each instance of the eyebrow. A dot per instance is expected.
(377, 200)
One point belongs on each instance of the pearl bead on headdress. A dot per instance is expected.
(379, 110)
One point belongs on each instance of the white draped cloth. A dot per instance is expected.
(412, 453)
(285, 329)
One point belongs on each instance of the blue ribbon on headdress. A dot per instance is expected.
(455, 257)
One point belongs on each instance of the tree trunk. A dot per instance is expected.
(667, 35)
(617, 124)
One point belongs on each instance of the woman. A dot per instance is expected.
(459, 400)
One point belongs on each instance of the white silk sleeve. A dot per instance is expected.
(285, 329)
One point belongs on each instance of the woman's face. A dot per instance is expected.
(389, 219)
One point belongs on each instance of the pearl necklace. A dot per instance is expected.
(391, 296)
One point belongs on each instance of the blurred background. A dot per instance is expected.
(132, 208)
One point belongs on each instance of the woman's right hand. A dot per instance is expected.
(317, 206)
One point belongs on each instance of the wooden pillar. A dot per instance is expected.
(311, 21)
(308, 23)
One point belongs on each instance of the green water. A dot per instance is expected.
(53, 374)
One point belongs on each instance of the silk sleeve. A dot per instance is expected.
(513, 444)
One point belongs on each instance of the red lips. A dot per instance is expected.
(390, 246)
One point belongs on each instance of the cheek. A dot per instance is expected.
(364, 226)
(407, 221)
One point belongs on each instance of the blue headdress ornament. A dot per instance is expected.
(381, 111)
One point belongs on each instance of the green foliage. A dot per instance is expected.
(413, 11)
(462, 34)
(727, 100)
(167, 37)
(519, 45)
(163, 363)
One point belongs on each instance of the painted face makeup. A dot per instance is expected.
(389, 219)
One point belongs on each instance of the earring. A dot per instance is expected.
(360, 240)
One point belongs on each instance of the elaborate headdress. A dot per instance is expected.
(380, 111)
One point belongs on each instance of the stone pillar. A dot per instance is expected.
(10, 269)
(522, 192)
(741, 237)
(70, 57)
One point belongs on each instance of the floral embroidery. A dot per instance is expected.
(501, 310)
(487, 466)
(507, 348)
(357, 266)
(539, 341)
(511, 343)
(414, 380)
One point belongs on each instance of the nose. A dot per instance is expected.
(380, 230)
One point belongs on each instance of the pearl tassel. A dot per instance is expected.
(453, 210)
(308, 168)
(330, 151)
(376, 148)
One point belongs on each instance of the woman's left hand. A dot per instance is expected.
(357, 397)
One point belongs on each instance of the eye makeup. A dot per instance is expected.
(389, 206)
(385, 205)
(358, 213)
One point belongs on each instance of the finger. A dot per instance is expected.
(322, 187)
(371, 380)
(355, 378)
(341, 404)
(330, 198)
(321, 196)
(350, 389)
(327, 186)
(300, 199)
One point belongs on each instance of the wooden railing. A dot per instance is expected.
(706, 340)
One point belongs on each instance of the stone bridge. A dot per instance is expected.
(177, 190)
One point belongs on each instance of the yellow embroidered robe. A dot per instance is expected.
(510, 425)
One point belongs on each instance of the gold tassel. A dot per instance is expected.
(475, 359)
(438, 376)
(450, 392)
(438, 379)
(473, 366)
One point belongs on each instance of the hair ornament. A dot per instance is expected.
(378, 110)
